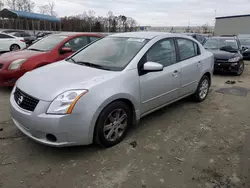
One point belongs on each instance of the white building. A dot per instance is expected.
(232, 25)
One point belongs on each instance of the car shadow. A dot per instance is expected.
(78, 152)
(6, 89)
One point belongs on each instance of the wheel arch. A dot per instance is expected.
(127, 99)
(208, 74)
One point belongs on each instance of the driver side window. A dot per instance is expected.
(76, 43)
(162, 52)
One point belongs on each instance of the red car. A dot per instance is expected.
(51, 49)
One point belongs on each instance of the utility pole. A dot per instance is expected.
(214, 19)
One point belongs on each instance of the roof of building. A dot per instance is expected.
(9, 13)
(235, 16)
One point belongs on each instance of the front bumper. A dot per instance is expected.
(9, 78)
(69, 130)
(226, 67)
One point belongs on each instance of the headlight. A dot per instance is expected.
(234, 59)
(16, 64)
(65, 102)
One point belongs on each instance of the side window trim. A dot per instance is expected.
(179, 57)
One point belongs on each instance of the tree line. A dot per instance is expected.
(87, 21)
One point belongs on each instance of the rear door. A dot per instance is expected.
(191, 64)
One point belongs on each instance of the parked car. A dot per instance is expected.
(11, 43)
(227, 53)
(199, 37)
(245, 45)
(48, 50)
(27, 37)
(41, 35)
(96, 94)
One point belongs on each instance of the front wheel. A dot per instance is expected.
(112, 124)
(202, 89)
(241, 67)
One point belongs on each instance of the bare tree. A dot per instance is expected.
(1, 4)
(131, 23)
(90, 16)
(48, 9)
(21, 5)
(11, 4)
(205, 28)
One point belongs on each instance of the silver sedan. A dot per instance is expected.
(100, 91)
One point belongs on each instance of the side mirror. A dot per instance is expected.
(152, 67)
(65, 50)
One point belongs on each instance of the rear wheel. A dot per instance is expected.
(202, 89)
(241, 67)
(112, 124)
(14, 47)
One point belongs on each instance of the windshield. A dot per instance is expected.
(217, 43)
(245, 42)
(48, 43)
(110, 53)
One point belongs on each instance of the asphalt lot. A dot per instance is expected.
(185, 145)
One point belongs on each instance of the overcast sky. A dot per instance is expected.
(157, 12)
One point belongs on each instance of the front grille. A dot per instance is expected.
(25, 101)
(1, 65)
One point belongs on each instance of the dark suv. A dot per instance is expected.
(227, 54)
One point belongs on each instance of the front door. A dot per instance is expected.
(191, 64)
(75, 44)
(159, 88)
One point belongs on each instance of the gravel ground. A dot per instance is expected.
(185, 145)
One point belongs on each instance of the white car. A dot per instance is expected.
(11, 43)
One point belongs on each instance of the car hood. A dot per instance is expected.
(220, 54)
(47, 82)
(23, 54)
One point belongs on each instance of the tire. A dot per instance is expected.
(14, 47)
(241, 68)
(205, 84)
(108, 131)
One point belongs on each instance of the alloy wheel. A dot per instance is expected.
(115, 125)
(203, 91)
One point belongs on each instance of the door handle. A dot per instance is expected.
(175, 73)
(199, 63)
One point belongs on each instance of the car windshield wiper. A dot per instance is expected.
(34, 49)
(90, 64)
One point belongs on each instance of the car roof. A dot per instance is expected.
(146, 34)
(70, 34)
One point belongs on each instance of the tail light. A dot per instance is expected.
(22, 40)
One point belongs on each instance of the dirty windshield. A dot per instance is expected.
(112, 53)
